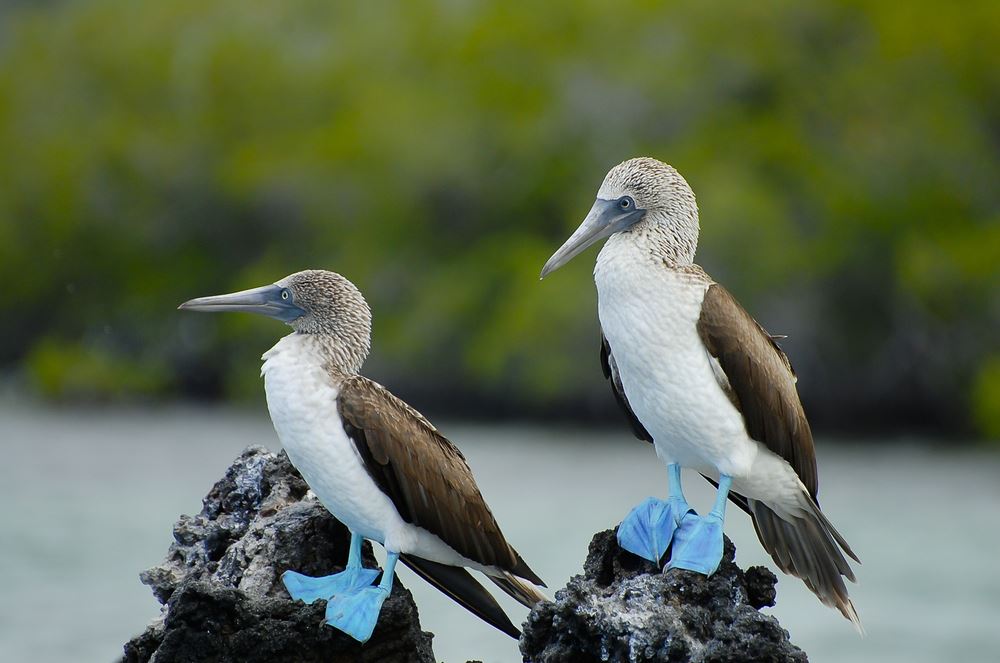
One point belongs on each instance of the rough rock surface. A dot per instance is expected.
(221, 588)
(624, 609)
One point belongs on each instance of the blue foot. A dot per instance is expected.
(309, 589)
(698, 540)
(698, 544)
(356, 614)
(648, 528)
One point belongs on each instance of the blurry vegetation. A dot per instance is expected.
(846, 156)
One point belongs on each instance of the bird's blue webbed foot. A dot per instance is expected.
(308, 589)
(353, 578)
(357, 613)
(698, 544)
(649, 528)
(698, 540)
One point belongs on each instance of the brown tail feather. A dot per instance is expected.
(522, 592)
(459, 585)
(809, 547)
(522, 570)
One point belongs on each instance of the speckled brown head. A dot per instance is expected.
(313, 301)
(331, 304)
(642, 195)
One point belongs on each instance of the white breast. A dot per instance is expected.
(302, 401)
(649, 314)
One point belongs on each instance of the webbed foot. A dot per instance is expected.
(649, 528)
(356, 614)
(308, 589)
(698, 544)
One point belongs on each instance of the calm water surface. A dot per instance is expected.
(90, 498)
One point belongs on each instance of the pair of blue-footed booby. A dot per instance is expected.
(701, 380)
(373, 461)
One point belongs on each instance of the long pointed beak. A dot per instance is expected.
(604, 219)
(270, 300)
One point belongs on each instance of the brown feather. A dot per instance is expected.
(610, 370)
(425, 475)
(461, 587)
(519, 590)
(762, 382)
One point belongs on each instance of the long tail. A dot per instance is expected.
(523, 592)
(807, 545)
(459, 585)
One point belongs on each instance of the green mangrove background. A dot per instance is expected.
(846, 157)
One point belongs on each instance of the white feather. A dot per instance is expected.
(302, 401)
(649, 315)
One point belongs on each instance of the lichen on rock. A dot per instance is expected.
(623, 608)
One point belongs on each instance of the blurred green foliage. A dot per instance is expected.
(846, 156)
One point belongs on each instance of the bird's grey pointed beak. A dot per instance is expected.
(273, 301)
(604, 220)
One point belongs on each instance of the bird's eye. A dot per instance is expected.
(625, 202)
(284, 294)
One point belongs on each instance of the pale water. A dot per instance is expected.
(89, 499)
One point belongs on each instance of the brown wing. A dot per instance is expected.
(610, 370)
(425, 475)
(760, 381)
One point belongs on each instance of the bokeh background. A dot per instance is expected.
(846, 158)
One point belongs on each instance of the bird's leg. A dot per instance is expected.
(649, 528)
(352, 578)
(357, 613)
(698, 540)
(676, 493)
(722, 496)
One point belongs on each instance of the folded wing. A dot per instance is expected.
(426, 476)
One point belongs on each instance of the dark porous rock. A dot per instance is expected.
(625, 609)
(221, 581)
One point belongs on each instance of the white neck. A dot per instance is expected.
(321, 351)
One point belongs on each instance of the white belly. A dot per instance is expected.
(649, 315)
(302, 401)
(303, 405)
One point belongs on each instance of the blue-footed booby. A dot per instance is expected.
(699, 378)
(373, 461)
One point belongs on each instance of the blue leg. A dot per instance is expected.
(356, 614)
(352, 578)
(698, 541)
(648, 529)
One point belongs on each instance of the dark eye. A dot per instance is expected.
(284, 294)
(626, 203)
